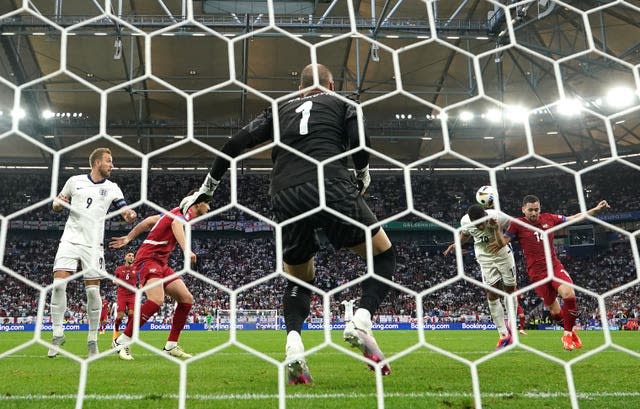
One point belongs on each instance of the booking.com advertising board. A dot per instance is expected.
(156, 326)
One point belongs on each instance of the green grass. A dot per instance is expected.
(234, 378)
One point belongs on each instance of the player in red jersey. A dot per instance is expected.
(151, 263)
(521, 317)
(125, 298)
(532, 245)
(104, 315)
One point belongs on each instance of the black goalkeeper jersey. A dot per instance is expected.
(315, 125)
(319, 126)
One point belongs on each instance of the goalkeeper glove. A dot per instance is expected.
(208, 187)
(364, 179)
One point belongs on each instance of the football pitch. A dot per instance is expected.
(234, 378)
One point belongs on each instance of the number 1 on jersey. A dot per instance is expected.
(306, 113)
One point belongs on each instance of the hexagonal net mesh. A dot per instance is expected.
(509, 42)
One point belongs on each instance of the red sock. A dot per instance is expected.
(146, 311)
(179, 319)
(569, 312)
(521, 322)
(557, 317)
(116, 325)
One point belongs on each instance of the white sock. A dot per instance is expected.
(123, 339)
(58, 305)
(294, 347)
(362, 319)
(170, 345)
(497, 315)
(94, 304)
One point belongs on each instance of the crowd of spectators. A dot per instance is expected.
(439, 195)
(234, 262)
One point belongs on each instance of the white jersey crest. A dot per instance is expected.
(90, 202)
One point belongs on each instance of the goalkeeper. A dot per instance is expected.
(320, 125)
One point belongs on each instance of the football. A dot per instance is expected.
(486, 196)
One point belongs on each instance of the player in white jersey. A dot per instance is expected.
(498, 269)
(89, 198)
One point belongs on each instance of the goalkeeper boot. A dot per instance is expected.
(298, 373)
(56, 341)
(122, 349)
(92, 346)
(567, 342)
(359, 336)
(577, 342)
(177, 352)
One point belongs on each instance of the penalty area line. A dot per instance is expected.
(256, 396)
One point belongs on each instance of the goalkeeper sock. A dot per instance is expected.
(297, 304)
(294, 348)
(94, 304)
(58, 305)
(179, 319)
(374, 291)
(362, 319)
(146, 311)
(569, 312)
(497, 315)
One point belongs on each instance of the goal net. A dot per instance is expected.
(527, 96)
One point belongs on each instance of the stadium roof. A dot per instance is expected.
(573, 68)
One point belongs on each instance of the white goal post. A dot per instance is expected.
(246, 319)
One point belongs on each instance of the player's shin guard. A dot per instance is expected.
(58, 305)
(146, 311)
(179, 319)
(94, 304)
(374, 291)
(569, 313)
(297, 304)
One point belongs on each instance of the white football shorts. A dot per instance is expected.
(74, 257)
(503, 269)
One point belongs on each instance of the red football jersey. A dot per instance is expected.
(531, 241)
(105, 308)
(160, 241)
(128, 275)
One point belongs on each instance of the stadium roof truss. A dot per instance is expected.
(439, 73)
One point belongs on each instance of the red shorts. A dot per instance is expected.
(549, 291)
(126, 303)
(148, 269)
